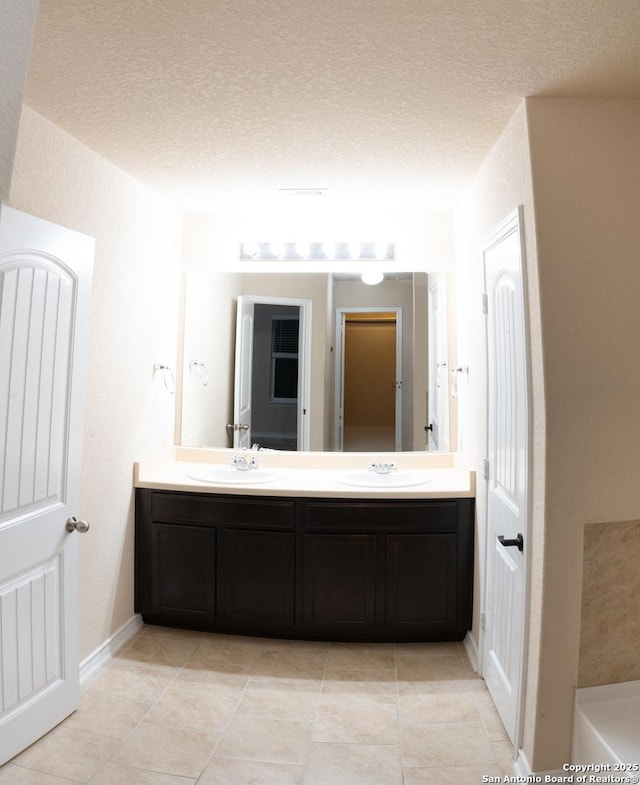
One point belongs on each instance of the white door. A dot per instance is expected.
(45, 288)
(508, 472)
(244, 368)
(242, 381)
(438, 396)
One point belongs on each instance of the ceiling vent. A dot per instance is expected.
(303, 192)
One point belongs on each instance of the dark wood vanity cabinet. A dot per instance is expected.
(339, 569)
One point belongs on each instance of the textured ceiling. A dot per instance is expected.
(216, 101)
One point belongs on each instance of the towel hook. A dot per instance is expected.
(168, 378)
(202, 371)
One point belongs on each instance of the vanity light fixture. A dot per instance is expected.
(327, 250)
(372, 277)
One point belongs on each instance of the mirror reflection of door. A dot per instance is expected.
(271, 370)
(370, 388)
(438, 394)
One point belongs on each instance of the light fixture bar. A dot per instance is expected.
(321, 250)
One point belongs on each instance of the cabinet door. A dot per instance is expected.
(422, 586)
(339, 584)
(181, 576)
(257, 578)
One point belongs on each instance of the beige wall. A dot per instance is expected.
(572, 164)
(503, 183)
(133, 324)
(17, 22)
(585, 164)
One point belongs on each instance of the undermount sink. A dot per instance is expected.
(396, 479)
(229, 475)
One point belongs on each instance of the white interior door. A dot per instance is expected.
(438, 395)
(508, 472)
(244, 369)
(242, 381)
(45, 288)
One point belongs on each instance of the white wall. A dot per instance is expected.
(17, 23)
(209, 337)
(133, 324)
(503, 183)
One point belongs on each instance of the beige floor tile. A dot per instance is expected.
(294, 699)
(268, 740)
(378, 657)
(199, 674)
(224, 771)
(292, 665)
(155, 631)
(353, 764)
(437, 707)
(107, 715)
(503, 751)
(491, 719)
(437, 649)
(15, 775)
(471, 686)
(193, 710)
(133, 680)
(449, 775)
(440, 668)
(168, 750)
(360, 724)
(446, 744)
(115, 774)
(160, 650)
(244, 652)
(354, 686)
(67, 753)
(283, 646)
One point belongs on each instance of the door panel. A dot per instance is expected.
(44, 311)
(507, 483)
(242, 383)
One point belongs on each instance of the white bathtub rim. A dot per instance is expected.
(592, 742)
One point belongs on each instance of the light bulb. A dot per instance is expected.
(329, 250)
(381, 250)
(372, 277)
(250, 249)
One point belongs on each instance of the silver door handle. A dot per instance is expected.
(233, 426)
(75, 525)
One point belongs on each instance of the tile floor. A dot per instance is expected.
(176, 707)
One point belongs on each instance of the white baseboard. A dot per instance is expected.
(522, 768)
(105, 651)
(471, 647)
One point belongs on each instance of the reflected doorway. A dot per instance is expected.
(368, 379)
(271, 408)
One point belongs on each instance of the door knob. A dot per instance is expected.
(75, 525)
(518, 542)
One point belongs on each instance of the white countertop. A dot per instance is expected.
(307, 474)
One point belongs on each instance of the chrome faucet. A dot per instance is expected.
(242, 464)
(381, 467)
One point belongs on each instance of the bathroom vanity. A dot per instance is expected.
(304, 555)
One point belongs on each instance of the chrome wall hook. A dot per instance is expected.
(168, 378)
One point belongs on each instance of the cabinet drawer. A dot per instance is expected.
(195, 508)
(380, 515)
